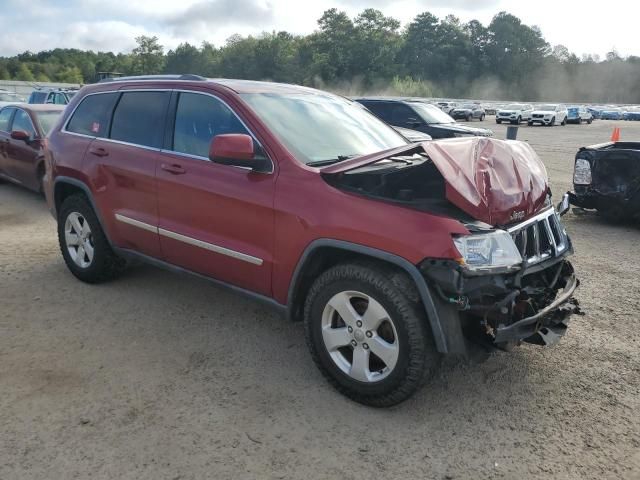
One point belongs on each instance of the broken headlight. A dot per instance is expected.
(488, 252)
(582, 172)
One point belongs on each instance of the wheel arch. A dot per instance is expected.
(64, 187)
(322, 254)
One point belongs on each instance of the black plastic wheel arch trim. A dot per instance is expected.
(87, 191)
(423, 289)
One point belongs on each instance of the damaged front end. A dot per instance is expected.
(513, 281)
(530, 301)
(606, 178)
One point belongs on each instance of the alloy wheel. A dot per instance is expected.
(79, 239)
(360, 336)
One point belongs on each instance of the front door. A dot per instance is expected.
(5, 136)
(23, 154)
(214, 219)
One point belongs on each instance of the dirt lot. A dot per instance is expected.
(161, 376)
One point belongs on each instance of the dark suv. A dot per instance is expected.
(422, 116)
(392, 253)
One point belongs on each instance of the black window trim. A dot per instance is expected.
(172, 108)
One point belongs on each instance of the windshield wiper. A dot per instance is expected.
(329, 161)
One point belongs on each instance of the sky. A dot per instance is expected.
(585, 27)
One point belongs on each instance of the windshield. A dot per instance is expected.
(430, 113)
(317, 127)
(514, 106)
(547, 107)
(47, 120)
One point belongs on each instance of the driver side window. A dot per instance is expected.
(199, 118)
(22, 121)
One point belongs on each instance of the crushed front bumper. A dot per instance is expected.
(533, 305)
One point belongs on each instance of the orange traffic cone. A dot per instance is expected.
(615, 136)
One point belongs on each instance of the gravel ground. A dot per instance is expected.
(162, 376)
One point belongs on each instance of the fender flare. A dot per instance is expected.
(413, 272)
(87, 191)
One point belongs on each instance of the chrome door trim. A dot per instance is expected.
(190, 240)
(210, 246)
(136, 223)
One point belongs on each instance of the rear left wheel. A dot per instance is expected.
(368, 338)
(83, 244)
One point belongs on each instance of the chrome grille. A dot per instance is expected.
(540, 237)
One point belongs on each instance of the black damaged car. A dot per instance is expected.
(421, 116)
(606, 178)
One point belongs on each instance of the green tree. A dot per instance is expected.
(148, 56)
(24, 73)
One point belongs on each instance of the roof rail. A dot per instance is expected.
(186, 76)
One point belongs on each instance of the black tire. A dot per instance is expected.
(498, 121)
(105, 264)
(564, 121)
(530, 123)
(589, 121)
(417, 356)
(552, 122)
(482, 117)
(469, 118)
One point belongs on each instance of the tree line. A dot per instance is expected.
(371, 53)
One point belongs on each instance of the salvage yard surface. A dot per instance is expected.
(163, 376)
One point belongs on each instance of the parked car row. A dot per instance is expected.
(419, 115)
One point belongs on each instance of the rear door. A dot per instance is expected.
(214, 219)
(22, 154)
(5, 136)
(122, 168)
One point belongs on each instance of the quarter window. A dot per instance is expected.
(199, 118)
(22, 121)
(93, 114)
(5, 116)
(139, 118)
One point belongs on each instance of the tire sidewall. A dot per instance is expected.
(397, 376)
(80, 205)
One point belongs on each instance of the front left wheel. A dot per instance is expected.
(367, 335)
(83, 244)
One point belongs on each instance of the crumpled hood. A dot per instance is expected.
(495, 181)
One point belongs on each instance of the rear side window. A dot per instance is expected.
(139, 118)
(93, 114)
(199, 118)
(5, 116)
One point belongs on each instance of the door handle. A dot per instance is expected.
(173, 168)
(98, 151)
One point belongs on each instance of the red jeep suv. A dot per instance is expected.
(392, 253)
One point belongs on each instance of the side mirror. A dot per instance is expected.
(237, 149)
(20, 135)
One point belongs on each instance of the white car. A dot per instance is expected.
(447, 107)
(514, 113)
(549, 115)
